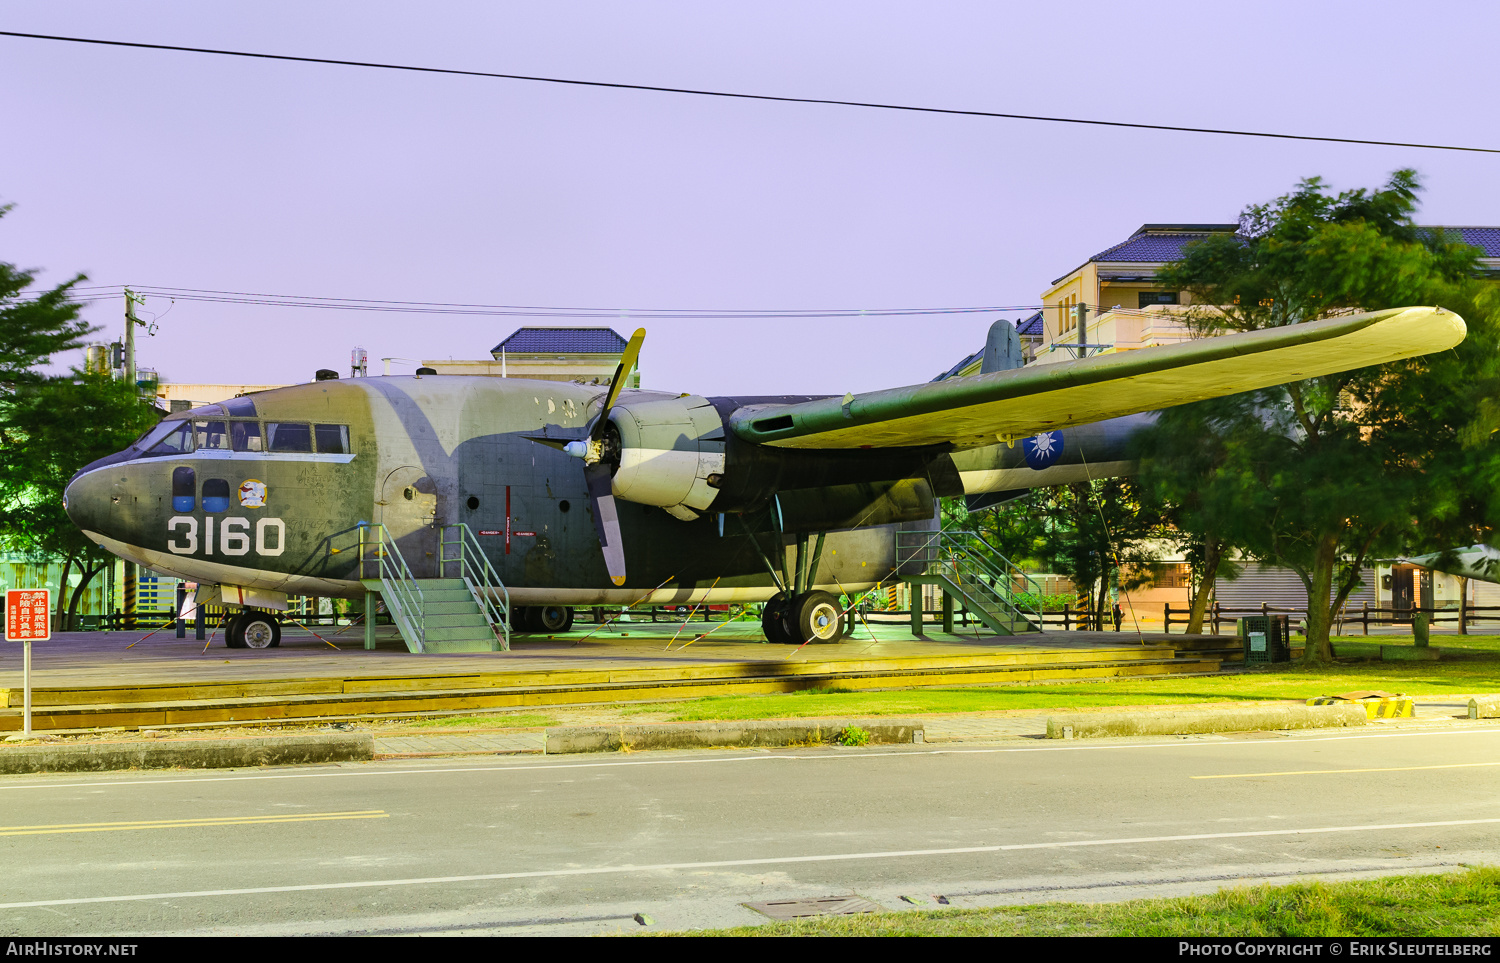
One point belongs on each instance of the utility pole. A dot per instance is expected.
(130, 322)
(1082, 312)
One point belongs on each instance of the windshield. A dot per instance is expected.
(167, 438)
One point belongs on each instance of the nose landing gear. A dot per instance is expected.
(252, 629)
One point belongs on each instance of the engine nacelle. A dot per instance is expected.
(668, 450)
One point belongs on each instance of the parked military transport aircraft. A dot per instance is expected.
(587, 495)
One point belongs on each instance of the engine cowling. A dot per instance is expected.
(667, 450)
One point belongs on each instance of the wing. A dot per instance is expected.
(1004, 405)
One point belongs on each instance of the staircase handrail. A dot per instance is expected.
(396, 579)
(1003, 568)
(966, 578)
(479, 575)
(943, 548)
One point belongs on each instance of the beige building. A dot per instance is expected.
(589, 355)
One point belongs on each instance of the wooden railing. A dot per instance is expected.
(1364, 616)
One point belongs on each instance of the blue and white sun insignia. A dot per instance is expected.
(1042, 450)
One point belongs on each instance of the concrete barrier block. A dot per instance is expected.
(189, 753)
(711, 735)
(1484, 707)
(1248, 718)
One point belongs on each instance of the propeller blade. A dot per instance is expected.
(606, 520)
(617, 383)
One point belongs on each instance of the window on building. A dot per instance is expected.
(1148, 298)
(215, 495)
(184, 489)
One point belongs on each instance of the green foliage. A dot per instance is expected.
(1088, 532)
(51, 426)
(1046, 603)
(854, 736)
(34, 327)
(1323, 475)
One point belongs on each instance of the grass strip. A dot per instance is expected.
(1465, 903)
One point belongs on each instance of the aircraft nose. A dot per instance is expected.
(86, 500)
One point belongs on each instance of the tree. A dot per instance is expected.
(34, 328)
(1182, 459)
(1095, 533)
(1326, 474)
(51, 426)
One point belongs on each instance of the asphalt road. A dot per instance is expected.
(583, 844)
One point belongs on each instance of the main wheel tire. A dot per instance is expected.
(526, 619)
(259, 630)
(555, 618)
(773, 621)
(815, 617)
(234, 638)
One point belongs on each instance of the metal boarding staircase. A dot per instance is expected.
(974, 572)
(468, 612)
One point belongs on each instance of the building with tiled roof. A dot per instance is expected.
(560, 341)
(1124, 308)
(589, 355)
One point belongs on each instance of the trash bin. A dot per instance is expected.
(1264, 638)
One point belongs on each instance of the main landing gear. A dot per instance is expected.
(808, 617)
(252, 629)
(541, 618)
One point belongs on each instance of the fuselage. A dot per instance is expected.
(269, 491)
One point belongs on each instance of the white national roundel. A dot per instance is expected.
(1043, 450)
(253, 493)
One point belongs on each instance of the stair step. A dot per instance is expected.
(455, 619)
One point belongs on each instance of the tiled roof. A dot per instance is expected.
(1155, 246)
(1032, 326)
(1487, 239)
(968, 360)
(561, 341)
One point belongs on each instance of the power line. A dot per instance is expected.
(111, 292)
(741, 96)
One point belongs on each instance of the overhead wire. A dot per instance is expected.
(699, 92)
(532, 311)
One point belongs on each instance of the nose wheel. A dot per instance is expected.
(252, 630)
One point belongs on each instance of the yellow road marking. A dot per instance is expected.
(189, 823)
(1326, 772)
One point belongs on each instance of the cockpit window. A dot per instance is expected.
(213, 435)
(207, 411)
(332, 438)
(215, 495)
(184, 489)
(169, 438)
(239, 407)
(245, 435)
(282, 436)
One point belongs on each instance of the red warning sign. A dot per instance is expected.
(28, 615)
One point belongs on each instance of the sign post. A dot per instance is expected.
(28, 617)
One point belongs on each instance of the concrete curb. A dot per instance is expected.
(709, 735)
(1093, 725)
(189, 753)
(1484, 707)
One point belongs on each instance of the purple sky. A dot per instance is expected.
(186, 170)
